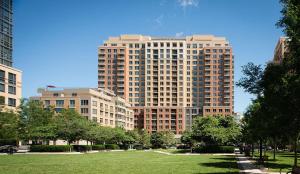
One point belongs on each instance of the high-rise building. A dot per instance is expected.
(10, 78)
(169, 80)
(6, 32)
(99, 105)
(280, 50)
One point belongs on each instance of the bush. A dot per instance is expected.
(82, 148)
(50, 148)
(214, 149)
(111, 146)
(12, 142)
(183, 147)
(138, 147)
(98, 147)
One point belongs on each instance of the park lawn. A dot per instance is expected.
(130, 162)
(284, 161)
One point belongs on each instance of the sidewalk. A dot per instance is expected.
(247, 167)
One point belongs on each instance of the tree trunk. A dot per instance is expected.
(260, 149)
(274, 151)
(295, 153)
(252, 149)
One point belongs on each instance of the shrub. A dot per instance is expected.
(138, 147)
(12, 142)
(111, 146)
(50, 148)
(98, 147)
(82, 148)
(183, 146)
(214, 149)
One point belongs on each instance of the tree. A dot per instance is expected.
(251, 82)
(71, 126)
(215, 130)
(35, 121)
(290, 22)
(144, 138)
(162, 139)
(8, 125)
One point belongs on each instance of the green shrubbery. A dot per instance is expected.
(213, 149)
(111, 146)
(50, 148)
(98, 147)
(82, 148)
(12, 142)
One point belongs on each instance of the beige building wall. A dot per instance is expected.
(101, 106)
(192, 74)
(280, 50)
(10, 87)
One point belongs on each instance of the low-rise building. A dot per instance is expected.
(99, 105)
(10, 87)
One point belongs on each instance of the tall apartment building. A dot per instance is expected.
(10, 78)
(169, 80)
(99, 105)
(280, 50)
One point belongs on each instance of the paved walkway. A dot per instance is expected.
(246, 166)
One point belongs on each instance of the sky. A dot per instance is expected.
(56, 41)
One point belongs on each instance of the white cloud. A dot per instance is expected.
(180, 34)
(159, 20)
(186, 3)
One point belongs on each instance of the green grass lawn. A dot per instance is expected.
(284, 161)
(131, 162)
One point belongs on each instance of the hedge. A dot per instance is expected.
(50, 148)
(98, 147)
(214, 149)
(82, 148)
(12, 142)
(111, 146)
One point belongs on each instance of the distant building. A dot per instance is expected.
(281, 50)
(169, 80)
(10, 78)
(99, 105)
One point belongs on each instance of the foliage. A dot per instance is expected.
(213, 149)
(71, 126)
(8, 125)
(251, 82)
(50, 148)
(216, 130)
(112, 146)
(12, 142)
(98, 147)
(36, 122)
(162, 139)
(82, 148)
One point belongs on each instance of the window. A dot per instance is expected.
(11, 78)
(84, 102)
(72, 103)
(59, 103)
(94, 111)
(74, 94)
(2, 76)
(55, 94)
(11, 89)
(47, 103)
(12, 102)
(84, 110)
(94, 103)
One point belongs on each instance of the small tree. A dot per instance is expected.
(71, 126)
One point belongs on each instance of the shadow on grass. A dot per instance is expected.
(276, 166)
(223, 163)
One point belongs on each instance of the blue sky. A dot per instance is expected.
(55, 41)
